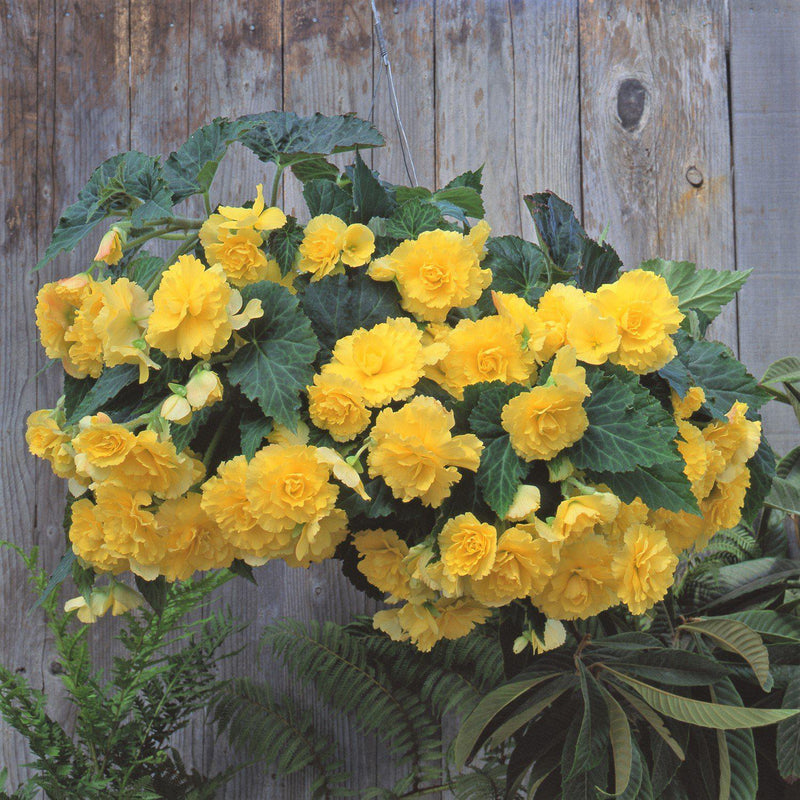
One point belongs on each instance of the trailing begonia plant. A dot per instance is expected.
(478, 427)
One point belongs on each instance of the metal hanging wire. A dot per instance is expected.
(405, 148)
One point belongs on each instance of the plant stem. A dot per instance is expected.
(207, 203)
(425, 791)
(275, 185)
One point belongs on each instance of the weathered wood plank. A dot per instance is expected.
(22, 640)
(507, 95)
(765, 100)
(655, 133)
(408, 28)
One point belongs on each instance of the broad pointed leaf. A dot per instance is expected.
(621, 744)
(275, 364)
(788, 742)
(325, 197)
(516, 266)
(110, 383)
(413, 218)
(370, 197)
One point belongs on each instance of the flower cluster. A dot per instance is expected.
(465, 422)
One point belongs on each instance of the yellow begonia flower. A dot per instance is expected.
(485, 350)
(386, 361)
(468, 546)
(458, 616)
(555, 634)
(736, 439)
(287, 485)
(581, 514)
(121, 324)
(722, 508)
(194, 542)
(381, 556)
(646, 314)
(317, 540)
(56, 306)
(388, 621)
(257, 217)
(681, 528)
(176, 409)
(428, 576)
(322, 245)
(110, 248)
(336, 404)
(204, 389)
(190, 315)
(47, 440)
(358, 245)
(521, 567)
(582, 584)
(240, 255)
(419, 622)
(280, 434)
(593, 336)
(413, 450)
(85, 336)
(100, 445)
(88, 539)
(436, 272)
(89, 611)
(526, 502)
(689, 404)
(644, 568)
(555, 310)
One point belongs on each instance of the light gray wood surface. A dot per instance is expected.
(685, 167)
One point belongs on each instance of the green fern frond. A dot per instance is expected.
(485, 783)
(336, 662)
(278, 735)
(731, 546)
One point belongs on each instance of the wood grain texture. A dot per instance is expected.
(765, 100)
(658, 174)
(507, 96)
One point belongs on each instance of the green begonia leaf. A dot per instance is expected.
(703, 290)
(516, 266)
(714, 368)
(471, 179)
(283, 245)
(253, 427)
(110, 383)
(339, 304)
(129, 182)
(370, 197)
(463, 197)
(191, 168)
(275, 364)
(413, 218)
(325, 197)
(659, 486)
(315, 168)
(628, 427)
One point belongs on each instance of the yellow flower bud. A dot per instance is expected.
(176, 409)
(110, 249)
(204, 389)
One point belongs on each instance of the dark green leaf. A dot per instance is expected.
(471, 179)
(788, 742)
(154, 592)
(560, 234)
(243, 570)
(110, 383)
(714, 368)
(664, 759)
(339, 304)
(75, 389)
(125, 182)
(500, 474)
(703, 290)
(370, 197)
(275, 364)
(735, 583)
(464, 197)
(600, 264)
(621, 746)
(673, 667)
(784, 495)
(144, 269)
(253, 427)
(286, 139)
(191, 168)
(315, 168)
(593, 735)
(413, 218)
(325, 197)
(516, 266)
(283, 245)
(740, 747)
(771, 624)
(659, 486)
(182, 435)
(784, 370)
(628, 427)
(762, 471)
(60, 574)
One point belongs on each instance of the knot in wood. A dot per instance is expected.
(631, 96)
(694, 176)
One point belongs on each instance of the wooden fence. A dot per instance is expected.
(675, 123)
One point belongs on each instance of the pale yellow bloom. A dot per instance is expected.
(468, 546)
(257, 216)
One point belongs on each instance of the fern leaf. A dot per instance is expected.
(278, 735)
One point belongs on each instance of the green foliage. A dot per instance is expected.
(570, 251)
(370, 197)
(253, 428)
(275, 364)
(284, 244)
(163, 672)
(287, 139)
(347, 302)
(702, 290)
(516, 266)
(323, 196)
(413, 218)
(191, 168)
